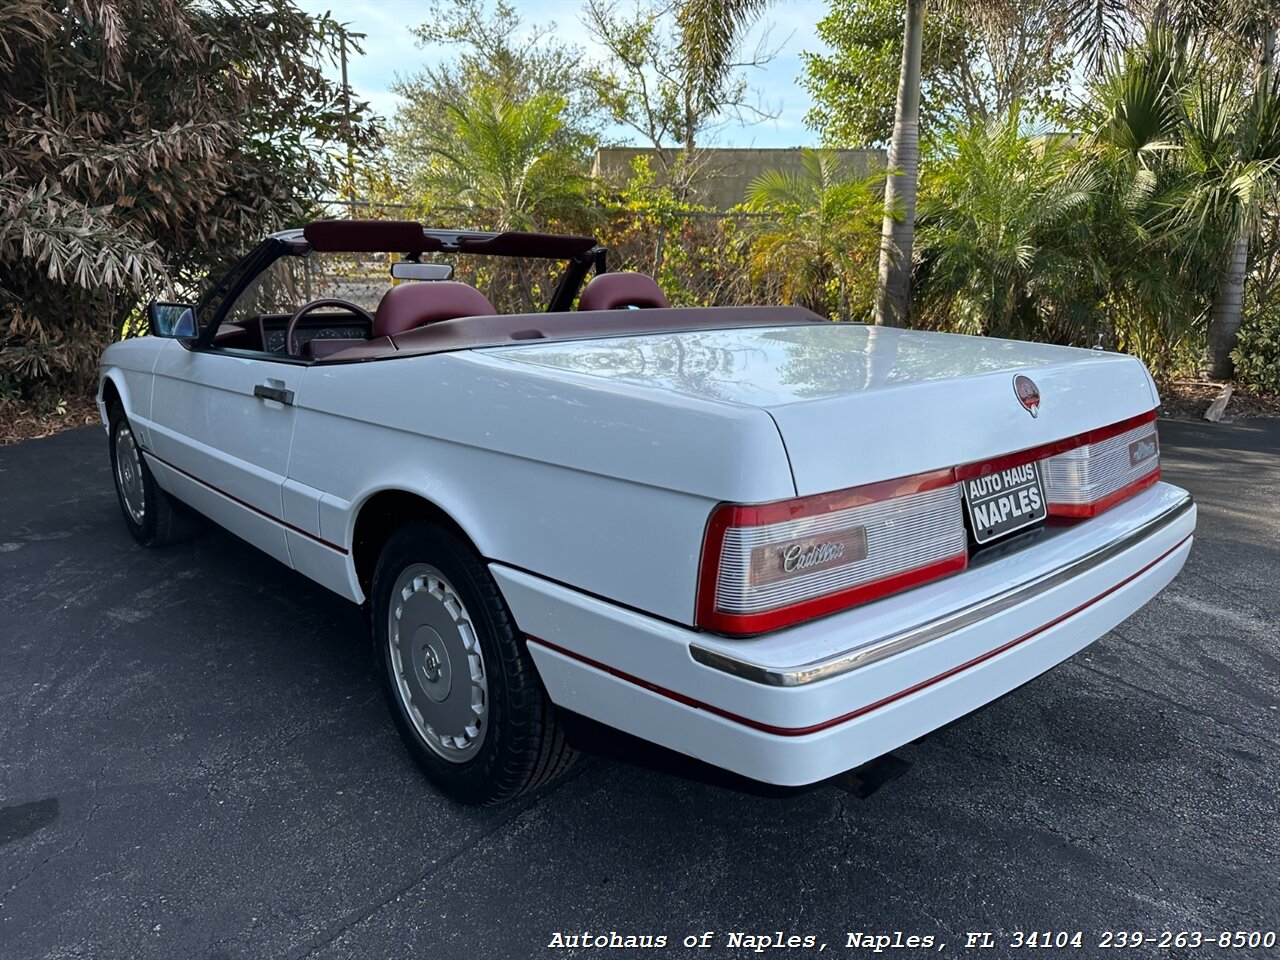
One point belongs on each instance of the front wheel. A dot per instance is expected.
(153, 517)
(457, 676)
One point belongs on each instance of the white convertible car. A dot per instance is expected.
(776, 544)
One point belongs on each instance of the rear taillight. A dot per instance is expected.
(1109, 467)
(771, 565)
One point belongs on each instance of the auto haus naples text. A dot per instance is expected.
(992, 504)
(761, 943)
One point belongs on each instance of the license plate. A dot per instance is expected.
(1002, 502)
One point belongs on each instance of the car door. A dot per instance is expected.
(221, 427)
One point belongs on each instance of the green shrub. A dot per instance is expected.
(1257, 353)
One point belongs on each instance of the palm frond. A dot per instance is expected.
(709, 31)
(1098, 27)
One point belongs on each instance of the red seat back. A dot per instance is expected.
(415, 304)
(617, 291)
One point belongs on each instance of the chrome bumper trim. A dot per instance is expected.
(938, 627)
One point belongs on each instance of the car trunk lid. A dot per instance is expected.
(855, 404)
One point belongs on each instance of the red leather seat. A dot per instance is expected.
(618, 291)
(414, 304)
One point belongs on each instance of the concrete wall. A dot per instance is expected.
(725, 172)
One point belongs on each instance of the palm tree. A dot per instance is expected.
(1001, 249)
(503, 160)
(898, 230)
(816, 247)
(1232, 155)
(1154, 286)
(1206, 155)
(1097, 25)
(1241, 33)
(500, 157)
(710, 27)
(709, 32)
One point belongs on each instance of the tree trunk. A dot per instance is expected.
(1228, 299)
(1228, 304)
(894, 291)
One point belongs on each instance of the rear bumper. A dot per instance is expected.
(803, 704)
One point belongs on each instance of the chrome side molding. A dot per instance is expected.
(937, 627)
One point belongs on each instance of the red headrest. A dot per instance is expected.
(413, 304)
(612, 291)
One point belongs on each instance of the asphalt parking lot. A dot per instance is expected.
(195, 762)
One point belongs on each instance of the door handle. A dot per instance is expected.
(278, 394)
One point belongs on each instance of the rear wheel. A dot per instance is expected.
(153, 517)
(458, 679)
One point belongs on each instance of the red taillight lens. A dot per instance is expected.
(769, 566)
(776, 564)
(1086, 480)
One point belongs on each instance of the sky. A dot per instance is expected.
(391, 51)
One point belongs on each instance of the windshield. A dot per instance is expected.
(512, 284)
(291, 281)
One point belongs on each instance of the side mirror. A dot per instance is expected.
(408, 270)
(171, 320)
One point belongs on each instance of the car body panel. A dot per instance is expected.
(613, 498)
(585, 472)
(808, 759)
(590, 424)
(208, 424)
(652, 683)
(130, 372)
(844, 396)
(773, 367)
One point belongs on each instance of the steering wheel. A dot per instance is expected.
(290, 345)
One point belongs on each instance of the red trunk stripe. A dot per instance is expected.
(983, 467)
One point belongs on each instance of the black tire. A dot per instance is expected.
(522, 746)
(162, 520)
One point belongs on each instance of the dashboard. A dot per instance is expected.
(321, 326)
